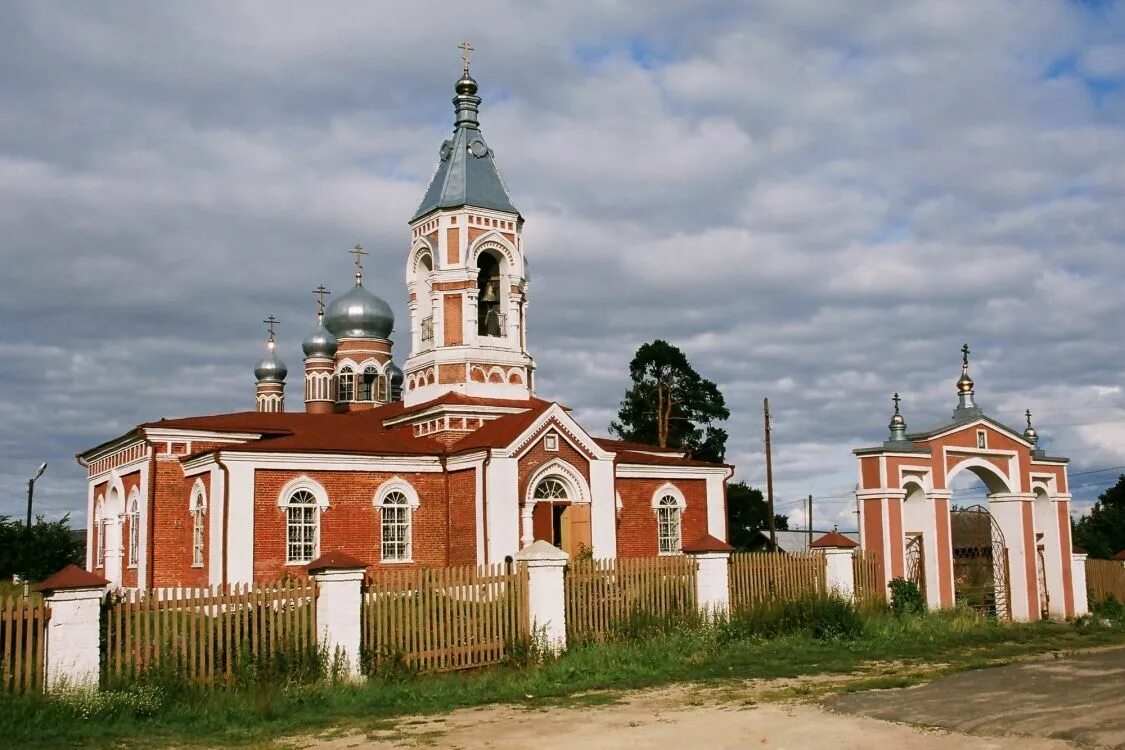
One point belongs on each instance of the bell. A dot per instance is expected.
(489, 292)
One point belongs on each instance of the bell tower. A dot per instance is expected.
(466, 274)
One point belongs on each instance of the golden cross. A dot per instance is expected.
(320, 291)
(270, 322)
(466, 52)
(359, 252)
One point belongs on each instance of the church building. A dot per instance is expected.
(450, 459)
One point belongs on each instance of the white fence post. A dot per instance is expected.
(1078, 577)
(839, 558)
(73, 654)
(545, 593)
(339, 602)
(712, 577)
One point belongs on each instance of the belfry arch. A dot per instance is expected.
(906, 500)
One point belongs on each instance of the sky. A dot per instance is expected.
(819, 202)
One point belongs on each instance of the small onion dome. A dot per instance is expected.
(271, 369)
(1031, 435)
(897, 421)
(466, 86)
(320, 343)
(394, 374)
(965, 383)
(360, 314)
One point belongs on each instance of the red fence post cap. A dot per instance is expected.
(72, 577)
(833, 539)
(707, 543)
(336, 560)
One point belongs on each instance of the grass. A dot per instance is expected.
(885, 651)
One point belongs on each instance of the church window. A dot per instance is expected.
(302, 530)
(381, 389)
(489, 321)
(370, 378)
(134, 528)
(198, 509)
(551, 442)
(668, 525)
(982, 439)
(395, 512)
(346, 384)
(551, 489)
(99, 532)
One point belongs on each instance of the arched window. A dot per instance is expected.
(668, 525)
(99, 533)
(346, 384)
(488, 296)
(134, 528)
(395, 510)
(370, 377)
(198, 511)
(302, 527)
(381, 389)
(551, 489)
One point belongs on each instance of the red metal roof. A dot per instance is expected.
(500, 432)
(635, 457)
(611, 444)
(72, 577)
(833, 539)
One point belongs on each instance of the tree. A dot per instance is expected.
(49, 548)
(1102, 533)
(670, 405)
(747, 513)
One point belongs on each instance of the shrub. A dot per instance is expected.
(906, 597)
(1110, 609)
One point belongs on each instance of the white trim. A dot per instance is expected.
(671, 491)
(396, 484)
(303, 482)
(198, 513)
(335, 462)
(974, 460)
(133, 512)
(980, 421)
(567, 428)
(651, 471)
(558, 468)
(400, 486)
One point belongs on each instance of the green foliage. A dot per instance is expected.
(747, 512)
(671, 405)
(1102, 533)
(48, 548)
(1109, 609)
(906, 597)
(819, 617)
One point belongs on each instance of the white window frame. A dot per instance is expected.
(198, 510)
(99, 533)
(318, 503)
(668, 504)
(134, 527)
(982, 440)
(346, 374)
(393, 513)
(551, 442)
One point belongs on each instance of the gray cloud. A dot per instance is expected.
(819, 204)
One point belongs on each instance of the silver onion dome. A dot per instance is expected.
(271, 369)
(394, 373)
(320, 343)
(359, 314)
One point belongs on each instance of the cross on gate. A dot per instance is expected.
(466, 52)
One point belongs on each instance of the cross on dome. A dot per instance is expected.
(466, 52)
(271, 322)
(320, 293)
(359, 252)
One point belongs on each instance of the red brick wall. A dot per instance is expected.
(170, 527)
(129, 574)
(352, 522)
(636, 525)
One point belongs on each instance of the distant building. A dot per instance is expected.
(451, 459)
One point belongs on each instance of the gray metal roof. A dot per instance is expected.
(466, 174)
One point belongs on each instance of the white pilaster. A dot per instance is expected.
(338, 605)
(1008, 510)
(73, 632)
(839, 573)
(1081, 595)
(603, 509)
(712, 582)
(240, 545)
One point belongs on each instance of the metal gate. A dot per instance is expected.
(980, 562)
(916, 562)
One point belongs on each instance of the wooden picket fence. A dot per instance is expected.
(757, 577)
(869, 588)
(1105, 578)
(23, 637)
(206, 635)
(443, 619)
(602, 595)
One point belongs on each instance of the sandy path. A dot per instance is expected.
(680, 717)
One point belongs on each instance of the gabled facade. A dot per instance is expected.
(451, 460)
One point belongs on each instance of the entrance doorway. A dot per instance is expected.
(980, 562)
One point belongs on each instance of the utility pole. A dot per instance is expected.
(810, 522)
(769, 478)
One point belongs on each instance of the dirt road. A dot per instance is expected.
(1059, 703)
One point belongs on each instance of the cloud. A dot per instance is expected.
(818, 204)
